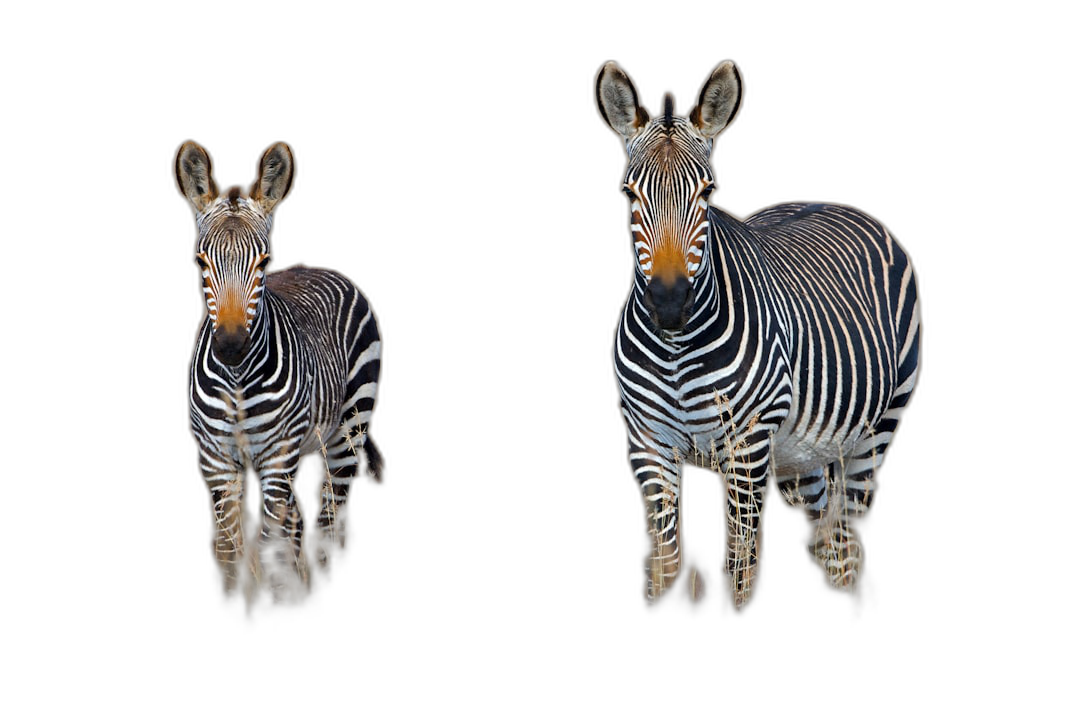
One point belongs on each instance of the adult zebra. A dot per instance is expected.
(284, 364)
(787, 343)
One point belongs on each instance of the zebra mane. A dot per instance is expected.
(669, 111)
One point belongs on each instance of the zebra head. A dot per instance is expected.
(668, 181)
(234, 241)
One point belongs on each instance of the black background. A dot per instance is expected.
(477, 205)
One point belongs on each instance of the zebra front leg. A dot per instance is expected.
(282, 528)
(745, 470)
(658, 473)
(224, 477)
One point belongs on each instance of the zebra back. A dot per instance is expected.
(333, 324)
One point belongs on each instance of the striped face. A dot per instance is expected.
(668, 181)
(232, 252)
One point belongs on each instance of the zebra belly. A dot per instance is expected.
(799, 454)
(801, 447)
(320, 435)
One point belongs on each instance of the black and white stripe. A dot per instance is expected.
(302, 379)
(795, 354)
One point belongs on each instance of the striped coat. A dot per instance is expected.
(785, 345)
(285, 364)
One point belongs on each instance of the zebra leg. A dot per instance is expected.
(852, 481)
(745, 469)
(815, 494)
(658, 473)
(851, 485)
(835, 544)
(809, 492)
(342, 462)
(282, 528)
(224, 477)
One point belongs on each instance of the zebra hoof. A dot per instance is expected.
(742, 583)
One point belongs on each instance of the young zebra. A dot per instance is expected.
(285, 364)
(786, 344)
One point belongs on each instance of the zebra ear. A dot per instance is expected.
(719, 100)
(618, 102)
(193, 175)
(275, 176)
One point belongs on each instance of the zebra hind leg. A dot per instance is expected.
(832, 497)
(834, 543)
(851, 484)
(348, 454)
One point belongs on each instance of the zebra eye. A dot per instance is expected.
(629, 193)
(707, 191)
(201, 261)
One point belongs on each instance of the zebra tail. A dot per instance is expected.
(374, 458)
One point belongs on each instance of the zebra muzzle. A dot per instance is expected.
(230, 346)
(669, 303)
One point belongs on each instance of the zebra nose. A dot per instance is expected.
(669, 303)
(230, 346)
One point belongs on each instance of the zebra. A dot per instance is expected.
(285, 364)
(786, 344)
